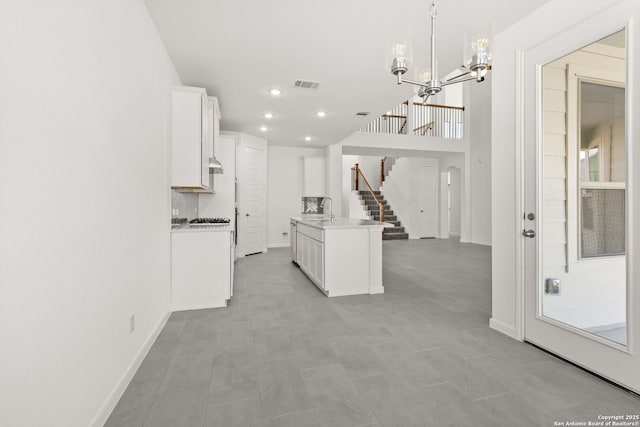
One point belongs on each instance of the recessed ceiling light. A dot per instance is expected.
(268, 115)
(263, 128)
(274, 92)
(321, 114)
(307, 138)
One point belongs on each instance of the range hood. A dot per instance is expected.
(214, 165)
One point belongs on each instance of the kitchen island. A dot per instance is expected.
(341, 256)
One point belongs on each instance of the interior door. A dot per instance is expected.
(252, 168)
(428, 201)
(578, 287)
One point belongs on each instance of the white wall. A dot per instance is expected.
(314, 171)
(455, 199)
(333, 155)
(347, 162)
(479, 122)
(285, 188)
(547, 24)
(84, 187)
(370, 168)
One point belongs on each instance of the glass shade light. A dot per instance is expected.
(399, 50)
(401, 59)
(480, 44)
(424, 76)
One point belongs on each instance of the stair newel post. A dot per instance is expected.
(357, 172)
(381, 171)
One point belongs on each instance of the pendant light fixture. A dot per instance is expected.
(477, 66)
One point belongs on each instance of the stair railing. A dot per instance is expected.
(442, 121)
(357, 174)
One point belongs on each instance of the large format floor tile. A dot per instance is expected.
(421, 354)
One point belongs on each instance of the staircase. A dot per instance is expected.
(392, 233)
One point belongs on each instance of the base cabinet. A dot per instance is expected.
(201, 269)
(310, 253)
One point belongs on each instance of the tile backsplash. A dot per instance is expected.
(186, 205)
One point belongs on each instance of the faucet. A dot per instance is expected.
(324, 202)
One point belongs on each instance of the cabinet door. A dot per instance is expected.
(189, 161)
(319, 262)
(232, 262)
(200, 272)
(293, 240)
(204, 140)
(312, 258)
(299, 238)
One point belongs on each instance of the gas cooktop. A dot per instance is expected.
(204, 222)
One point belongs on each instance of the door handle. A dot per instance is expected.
(247, 214)
(529, 233)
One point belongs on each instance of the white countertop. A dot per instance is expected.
(325, 224)
(185, 228)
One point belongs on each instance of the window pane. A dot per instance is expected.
(603, 222)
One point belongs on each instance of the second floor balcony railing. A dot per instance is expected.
(442, 121)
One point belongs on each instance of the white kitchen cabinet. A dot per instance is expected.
(310, 253)
(191, 138)
(201, 269)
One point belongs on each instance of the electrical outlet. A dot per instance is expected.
(132, 323)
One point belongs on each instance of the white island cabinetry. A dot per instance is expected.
(341, 257)
(310, 253)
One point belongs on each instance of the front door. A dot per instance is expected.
(577, 209)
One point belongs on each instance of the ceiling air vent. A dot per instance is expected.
(306, 84)
(363, 113)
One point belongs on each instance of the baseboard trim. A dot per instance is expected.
(504, 328)
(103, 414)
(216, 304)
(376, 290)
(278, 245)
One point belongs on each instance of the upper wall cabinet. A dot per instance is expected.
(192, 134)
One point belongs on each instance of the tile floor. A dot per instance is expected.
(282, 354)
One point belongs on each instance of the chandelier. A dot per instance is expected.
(476, 67)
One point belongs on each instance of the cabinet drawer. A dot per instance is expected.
(314, 233)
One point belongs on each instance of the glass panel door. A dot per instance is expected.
(577, 208)
(583, 193)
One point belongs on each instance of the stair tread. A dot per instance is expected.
(371, 205)
(395, 236)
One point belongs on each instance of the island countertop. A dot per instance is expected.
(326, 224)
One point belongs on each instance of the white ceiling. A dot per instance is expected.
(239, 49)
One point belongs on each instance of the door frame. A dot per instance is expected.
(245, 142)
(527, 114)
